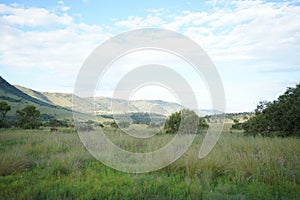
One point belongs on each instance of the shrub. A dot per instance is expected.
(173, 123)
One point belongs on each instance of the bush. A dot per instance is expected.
(121, 124)
(173, 123)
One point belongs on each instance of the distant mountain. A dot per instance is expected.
(60, 104)
(18, 99)
(103, 105)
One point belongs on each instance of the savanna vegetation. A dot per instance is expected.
(37, 164)
(245, 164)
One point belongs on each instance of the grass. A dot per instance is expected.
(37, 164)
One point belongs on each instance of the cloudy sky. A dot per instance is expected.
(255, 45)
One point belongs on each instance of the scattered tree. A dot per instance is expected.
(120, 124)
(4, 108)
(28, 117)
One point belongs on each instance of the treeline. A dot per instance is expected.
(137, 118)
(179, 122)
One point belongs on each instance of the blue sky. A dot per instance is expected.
(255, 45)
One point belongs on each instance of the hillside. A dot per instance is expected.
(18, 99)
(61, 99)
(103, 104)
(60, 104)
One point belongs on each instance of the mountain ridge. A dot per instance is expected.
(18, 99)
(52, 102)
(103, 104)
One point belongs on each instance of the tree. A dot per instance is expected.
(278, 118)
(4, 108)
(28, 117)
(173, 123)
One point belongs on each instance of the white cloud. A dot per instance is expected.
(59, 48)
(31, 17)
(237, 35)
(236, 30)
(139, 22)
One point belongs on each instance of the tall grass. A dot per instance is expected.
(42, 165)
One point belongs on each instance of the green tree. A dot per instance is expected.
(173, 123)
(28, 117)
(4, 108)
(278, 118)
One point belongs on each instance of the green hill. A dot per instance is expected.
(18, 99)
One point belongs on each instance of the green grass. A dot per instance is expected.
(37, 164)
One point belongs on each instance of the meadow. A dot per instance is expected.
(39, 164)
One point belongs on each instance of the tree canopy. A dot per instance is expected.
(173, 123)
(28, 117)
(278, 118)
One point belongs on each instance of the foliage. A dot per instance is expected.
(278, 118)
(173, 123)
(101, 125)
(58, 123)
(120, 124)
(4, 108)
(28, 117)
(137, 118)
(237, 125)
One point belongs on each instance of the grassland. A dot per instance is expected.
(37, 164)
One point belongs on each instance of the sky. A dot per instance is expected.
(255, 45)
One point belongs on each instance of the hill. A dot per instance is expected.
(55, 98)
(59, 105)
(18, 99)
(103, 105)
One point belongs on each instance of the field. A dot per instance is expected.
(37, 164)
